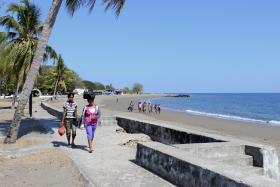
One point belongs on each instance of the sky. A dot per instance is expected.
(172, 46)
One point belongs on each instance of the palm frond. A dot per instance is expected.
(10, 23)
(18, 44)
(73, 5)
(3, 37)
(50, 54)
(116, 5)
(7, 36)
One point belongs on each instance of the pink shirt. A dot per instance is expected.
(90, 112)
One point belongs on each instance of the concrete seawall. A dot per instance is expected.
(173, 136)
(185, 155)
(165, 162)
(162, 134)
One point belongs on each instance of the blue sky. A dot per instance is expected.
(174, 46)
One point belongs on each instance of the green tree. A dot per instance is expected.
(19, 41)
(46, 78)
(109, 87)
(66, 82)
(126, 90)
(60, 71)
(137, 88)
(90, 85)
(99, 86)
(72, 6)
(72, 81)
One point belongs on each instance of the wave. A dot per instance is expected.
(181, 107)
(230, 117)
(274, 122)
(223, 116)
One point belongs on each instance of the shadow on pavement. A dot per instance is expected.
(63, 144)
(41, 126)
(5, 107)
(4, 126)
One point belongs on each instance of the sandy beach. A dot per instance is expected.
(258, 133)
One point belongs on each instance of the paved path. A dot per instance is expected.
(111, 164)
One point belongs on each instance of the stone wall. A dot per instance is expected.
(256, 153)
(52, 111)
(162, 134)
(180, 172)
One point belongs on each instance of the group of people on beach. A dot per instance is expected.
(145, 107)
(89, 119)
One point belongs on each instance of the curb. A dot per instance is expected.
(82, 174)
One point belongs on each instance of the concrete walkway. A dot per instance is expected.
(111, 163)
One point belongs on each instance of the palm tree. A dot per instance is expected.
(60, 71)
(72, 6)
(20, 40)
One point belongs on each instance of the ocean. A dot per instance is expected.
(253, 107)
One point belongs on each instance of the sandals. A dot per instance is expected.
(90, 150)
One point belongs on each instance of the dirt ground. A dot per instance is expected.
(49, 168)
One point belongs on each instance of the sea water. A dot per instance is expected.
(254, 107)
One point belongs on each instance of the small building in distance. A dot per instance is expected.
(105, 92)
(79, 91)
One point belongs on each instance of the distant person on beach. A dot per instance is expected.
(144, 107)
(91, 116)
(69, 119)
(156, 108)
(131, 106)
(139, 106)
(151, 108)
(159, 108)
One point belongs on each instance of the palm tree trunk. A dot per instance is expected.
(33, 72)
(55, 88)
(16, 91)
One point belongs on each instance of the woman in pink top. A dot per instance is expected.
(91, 117)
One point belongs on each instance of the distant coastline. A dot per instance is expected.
(178, 95)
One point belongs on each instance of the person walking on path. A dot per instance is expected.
(69, 119)
(91, 117)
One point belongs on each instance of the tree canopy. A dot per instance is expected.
(47, 77)
(93, 85)
(137, 88)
